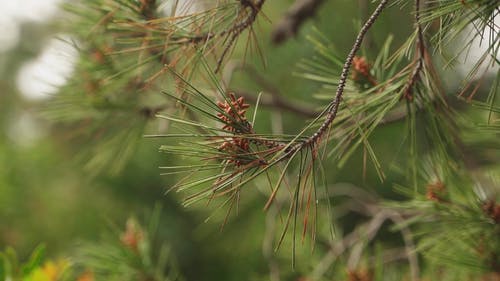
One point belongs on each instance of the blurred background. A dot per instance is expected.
(48, 196)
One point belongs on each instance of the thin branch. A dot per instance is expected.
(368, 204)
(296, 15)
(150, 112)
(364, 14)
(236, 30)
(410, 247)
(247, 14)
(389, 256)
(333, 107)
(277, 101)
(407, 92)
(364, 231)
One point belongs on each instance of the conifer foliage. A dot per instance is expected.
(147, 64)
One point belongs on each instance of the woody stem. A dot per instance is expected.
(333, 107)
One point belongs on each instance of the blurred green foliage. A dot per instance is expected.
(47, 196)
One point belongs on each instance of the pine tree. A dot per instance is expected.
(391, 110)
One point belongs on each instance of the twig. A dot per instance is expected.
(389, 256)
(407, 92)
(409, 245)
(277, 100)
(369, 230)
(364, 14)
(247, 15)
(236, 30)
(150, 112)
(367, 204)
(296, 15)
(332, 109)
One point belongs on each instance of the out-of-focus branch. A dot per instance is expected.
(367, 204)
(150, 112)
(409, 245)
(296, 15)
(273, 99)
(277, 101)
(364, 231)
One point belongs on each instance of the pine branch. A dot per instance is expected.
(332, 109)
(236, 147)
